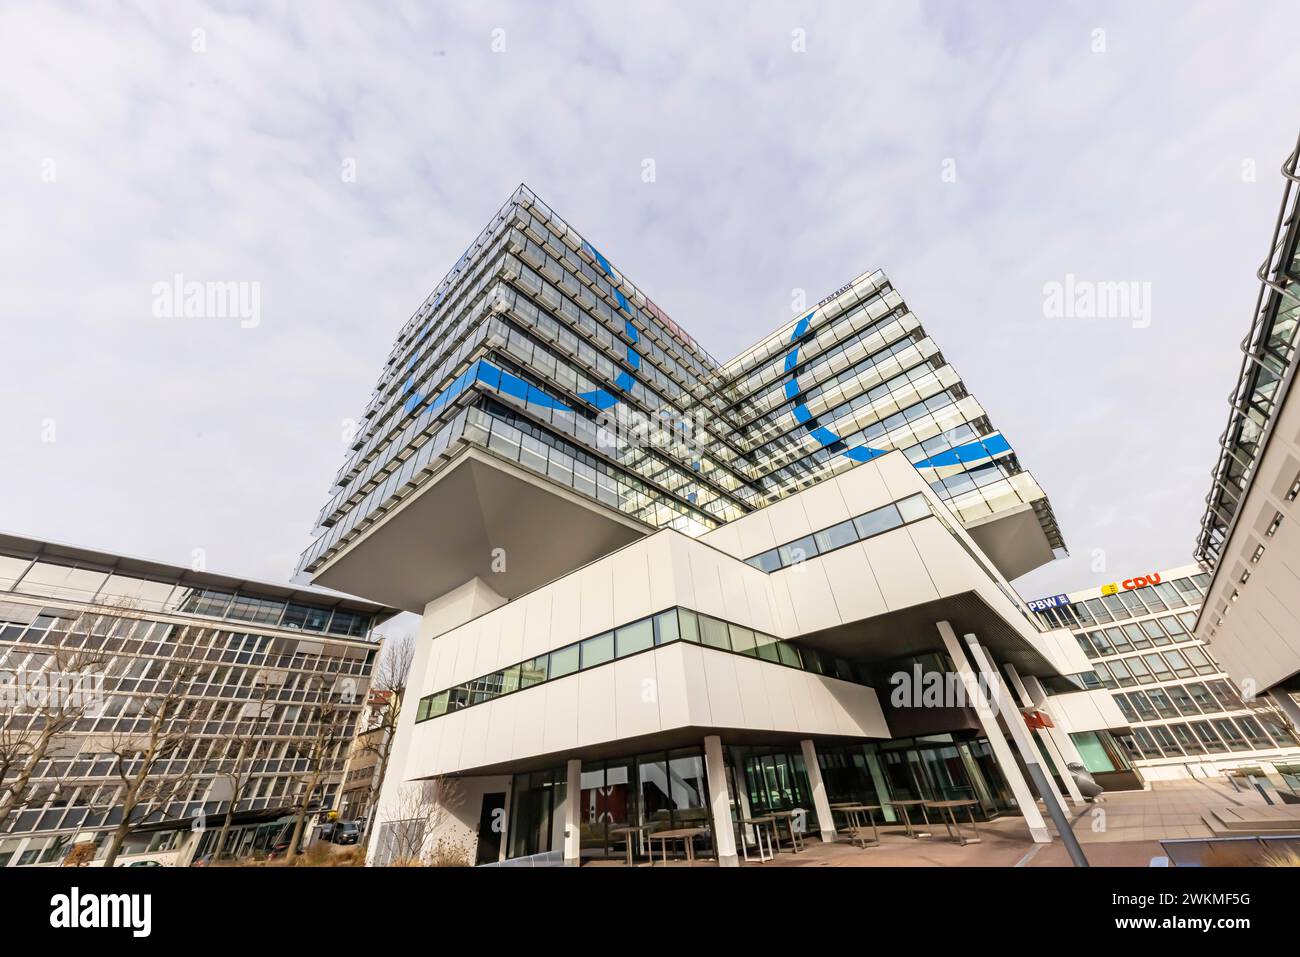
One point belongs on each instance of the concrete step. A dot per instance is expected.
(1227, 821)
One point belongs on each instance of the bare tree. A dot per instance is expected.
(145, 761)
(235, 761)
(326, 728)
(38, 707)
(388, 689)
(417, 811)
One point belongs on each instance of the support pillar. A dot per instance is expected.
(989, 723)
(1287, 705)
(572, 814)
(1045, 736)
(724, 833)
(1019, 731)
(825, 821)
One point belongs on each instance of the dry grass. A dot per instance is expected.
(1281, 859)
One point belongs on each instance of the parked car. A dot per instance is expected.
(341, 832)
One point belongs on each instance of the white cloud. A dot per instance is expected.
(775, 170)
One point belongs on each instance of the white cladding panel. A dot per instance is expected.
(1085, 711)
(677, 686)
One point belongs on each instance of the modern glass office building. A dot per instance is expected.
(658, 589)
(1187, 717)
(1248, 538)
(105, 660)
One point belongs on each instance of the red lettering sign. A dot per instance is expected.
(1141, 581)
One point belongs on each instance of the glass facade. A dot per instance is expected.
(1180, 703)
(247, 667)
(536, 348)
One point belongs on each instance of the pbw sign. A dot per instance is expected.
(1042, 604)
(1128, 584)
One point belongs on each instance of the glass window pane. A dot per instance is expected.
(597, 650)
(881, 520)
(635, 637)
(836, 536)
(797, 551)
(689, 623)
(742, 640)
(714, 633)
(666, 629)
(913, 507)
(564, 661)
(533, 672)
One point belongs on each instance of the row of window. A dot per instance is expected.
(1130, 603)
(1154, 666)
(1137, 636)
(867, 525)
(45, 579)
(1193, 699)
(675, 624)
(1177, 740)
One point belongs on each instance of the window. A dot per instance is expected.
(836, 536)
(1186, 739)
(665, 627)
(1182, 700)
(880, 520)
(638, 636)
(1201, 695)
(1166, 741)
(597, 651)
(1178, 663)
(533, 672)
(1162, 703)
(713, 633)
(1155, 632)
(1158, 667)
(1137, 636)
(797, 551)
(1226, 694)
(742, 640)
(563, 662)
(1231, 736)
(1142, 705)
(1140, 671)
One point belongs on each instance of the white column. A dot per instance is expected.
(1287, 705)
(724, 835)
(1011, 714)
(1038, 695)
(989, 722)
(1045, 736)
(825, 822)
(572, 813)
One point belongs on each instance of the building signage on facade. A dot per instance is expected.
(1042, 604)
(1128, 584)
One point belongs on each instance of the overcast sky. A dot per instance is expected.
(343, 156)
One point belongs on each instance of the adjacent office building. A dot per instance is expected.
(659, 589)
(240, 674)
(1250, 538)
(1187, 718)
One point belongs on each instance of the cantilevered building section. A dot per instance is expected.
(1249, 535)
(538, 350)
(583, 504)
